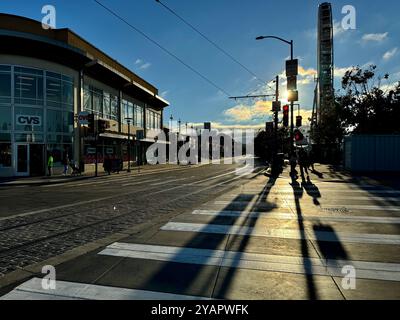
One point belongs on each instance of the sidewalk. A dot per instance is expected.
(267, 239)
(55, 179)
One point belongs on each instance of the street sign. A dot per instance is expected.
(293, 96)
(292, 83)
(276, 106)
(269, 127)
(83, 118)
(292, 68)
(91, 150)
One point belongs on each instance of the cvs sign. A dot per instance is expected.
(28, 120)
(83, 118)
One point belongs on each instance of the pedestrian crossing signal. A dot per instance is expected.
(299, 120)
(298, 136)
(285, 116)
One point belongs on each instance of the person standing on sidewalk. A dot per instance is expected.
(50, 164)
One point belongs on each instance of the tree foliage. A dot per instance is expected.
(369, 105)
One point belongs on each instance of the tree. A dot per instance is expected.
(368, 106)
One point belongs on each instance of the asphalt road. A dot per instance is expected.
(39, 222)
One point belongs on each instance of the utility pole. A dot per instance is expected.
(291, 116)
(276, 114)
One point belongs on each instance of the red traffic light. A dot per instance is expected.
(285, 108)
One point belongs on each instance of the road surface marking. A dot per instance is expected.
(139, 182)
(124, 194)
(382, 207)
(283, 233)
(254, 261)
(169, 181)
(331, 190)
(32, 289)
(292, 216)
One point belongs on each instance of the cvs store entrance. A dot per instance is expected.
(30, 159)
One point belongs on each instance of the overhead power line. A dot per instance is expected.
(211, 41)
(162, 48)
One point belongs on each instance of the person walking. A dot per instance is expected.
(303, 163)
(66, 164)
(50, 164)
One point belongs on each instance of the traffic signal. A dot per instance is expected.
(91, 124)
(102, 126)
(285, 116)
(299, 120)
(298, 136)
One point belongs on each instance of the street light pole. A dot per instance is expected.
(292, 102)
(129, 143)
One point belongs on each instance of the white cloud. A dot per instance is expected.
(142, 65)
(378, 37)
(145, 65)
(337, 29)
(246, 113)
(390, 54)
(164, 93)
(340, 72)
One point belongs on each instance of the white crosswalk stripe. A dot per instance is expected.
(255, 261)
(283, 233)
(33, 290)
(292, 216)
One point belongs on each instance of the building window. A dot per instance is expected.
(28, 86)
(97, 102)
(5, 85)
(5, 155)
(127, 111)
(5, 119)
(114, 108)
(138, 116)
(59, 91)
(54, 121)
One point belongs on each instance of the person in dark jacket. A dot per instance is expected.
(303, 163)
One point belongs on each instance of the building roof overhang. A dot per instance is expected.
(26, 37)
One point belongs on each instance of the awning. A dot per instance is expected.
(153, 141)
(113, 136)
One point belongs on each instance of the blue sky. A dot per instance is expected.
(233, 25)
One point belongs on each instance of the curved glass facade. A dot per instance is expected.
(36, 118)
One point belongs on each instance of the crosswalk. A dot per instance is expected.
(205, 237)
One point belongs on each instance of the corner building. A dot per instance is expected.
(47, 78)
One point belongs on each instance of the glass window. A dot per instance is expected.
(28, 119)
(127, 108)
(68, 122)
(106, 105)
(98, 102)
(28, 137)
(5, 155)
(138, 116)
(114, 108)
(147, 119)
(5, 87)
(28, 86)
(68, 95)
(5, 136)
(54, 121)
(55, 138)
(87, 99)
(53, 91)
(5, 118)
